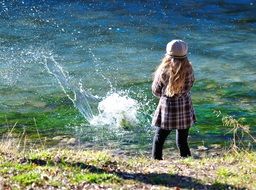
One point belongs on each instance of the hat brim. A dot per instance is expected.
(177, 57)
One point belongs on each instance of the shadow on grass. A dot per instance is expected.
(164, 179)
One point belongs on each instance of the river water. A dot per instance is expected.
(83, 69)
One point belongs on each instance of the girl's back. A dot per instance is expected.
(172, 84)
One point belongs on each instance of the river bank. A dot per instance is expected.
(67, 168)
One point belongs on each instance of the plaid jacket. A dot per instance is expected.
(175, 112)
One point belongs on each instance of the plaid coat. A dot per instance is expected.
(175, 112)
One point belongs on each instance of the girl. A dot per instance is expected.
(172, 83)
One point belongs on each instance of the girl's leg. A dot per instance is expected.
(182, 142)
(158, 142)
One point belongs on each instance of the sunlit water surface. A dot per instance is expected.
(83, 69)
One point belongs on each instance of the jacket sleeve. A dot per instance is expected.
(157, 86)
(189, 82)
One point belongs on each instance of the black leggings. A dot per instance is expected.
(181, 141)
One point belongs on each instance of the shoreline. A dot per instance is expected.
(67, 168)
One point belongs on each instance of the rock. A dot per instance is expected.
(64, 141)
(45, 177)
(23, 160)
(57, 159)
(38, 104)
(215, 146)
(71, 141)
(68, 141)
(58, 138)
(202, 148)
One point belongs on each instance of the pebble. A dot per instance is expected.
(71, 141)
(64, 141)
(58, 138)
(202, 148)
(215, 146)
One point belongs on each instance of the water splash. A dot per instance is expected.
(11, 68)
(117, 109)
(74, 92)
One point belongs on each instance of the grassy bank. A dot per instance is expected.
(84, 169)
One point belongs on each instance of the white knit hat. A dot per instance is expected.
(177, 49)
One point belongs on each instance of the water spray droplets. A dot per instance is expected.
(117, 110)
(76, 94)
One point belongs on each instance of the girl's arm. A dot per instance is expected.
(157, 85)
(189, 82)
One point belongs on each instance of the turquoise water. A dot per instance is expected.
(84, 68)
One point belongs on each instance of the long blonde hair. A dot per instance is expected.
(173, 72)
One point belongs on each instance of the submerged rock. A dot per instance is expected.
(38, 104)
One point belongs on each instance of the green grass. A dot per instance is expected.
(96, 178)
(25, 179)
(73, 169)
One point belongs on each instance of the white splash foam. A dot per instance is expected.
(116, 110)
